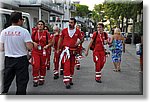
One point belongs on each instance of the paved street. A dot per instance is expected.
(128, 81)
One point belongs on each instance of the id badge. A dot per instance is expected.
(39, 47)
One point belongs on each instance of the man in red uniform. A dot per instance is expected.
(56, 55)
(70, 37)
(99, 56)
(79, 50)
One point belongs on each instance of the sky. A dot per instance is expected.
(89, 3)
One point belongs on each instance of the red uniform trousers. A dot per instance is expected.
(99, 58)
(77, 62)
(48, 58)
(79, 52)
(141, 62)
(68, 67)
(56, 63)
(39, 66)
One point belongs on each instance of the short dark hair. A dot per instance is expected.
(15, 16)
(41, 22)
(73, 19)
(101, 24)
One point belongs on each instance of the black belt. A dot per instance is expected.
(16, 57)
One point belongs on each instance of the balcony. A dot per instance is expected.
(44, 4)
(72, 8)
(80, 19)
(58, 2)
(55, 7)
(27, 2)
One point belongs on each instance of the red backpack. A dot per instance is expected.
(93, 44)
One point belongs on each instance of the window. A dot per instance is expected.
(4, 19)
(26, 23)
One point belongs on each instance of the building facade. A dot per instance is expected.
(53, 12)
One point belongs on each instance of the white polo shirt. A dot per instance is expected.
(14, 39)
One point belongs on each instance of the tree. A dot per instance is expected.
(112, 12)
(137, 8)
(99, 10)
(120, 10)
(81, 10)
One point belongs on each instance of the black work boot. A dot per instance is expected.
(56, 76)
(68, 86)
(35, 84)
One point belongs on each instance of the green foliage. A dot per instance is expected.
(116, 11)
(81, 10)
(50, 27)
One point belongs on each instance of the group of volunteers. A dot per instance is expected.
(16, 41)
(65, 51)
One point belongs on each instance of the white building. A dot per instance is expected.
(38, 9)
(62, 21)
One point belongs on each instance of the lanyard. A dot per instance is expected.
(100, 36)
(40, 37)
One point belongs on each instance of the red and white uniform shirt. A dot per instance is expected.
(80, 45)
(82, 34)
(56, 42)
(99, 41)
(40, 38)
(49, 49)
(70, 40)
